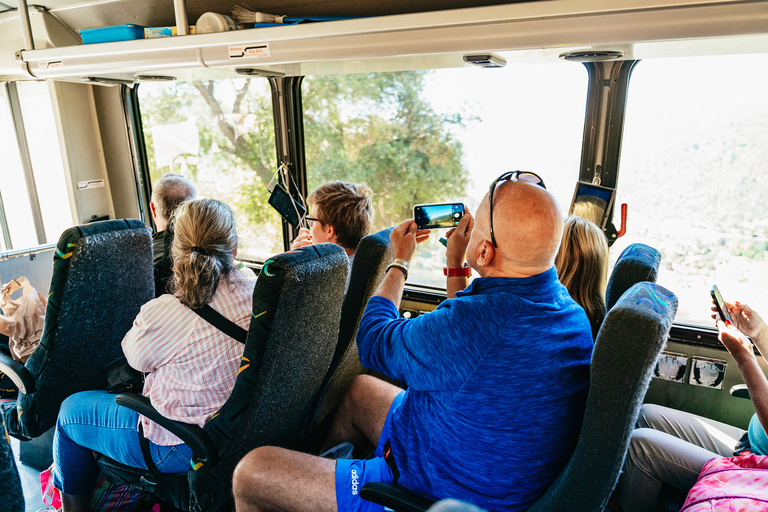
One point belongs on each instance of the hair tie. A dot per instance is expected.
(199, 250)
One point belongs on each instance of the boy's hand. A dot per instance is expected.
(303, 239)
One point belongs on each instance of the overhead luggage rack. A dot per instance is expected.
(540, 30)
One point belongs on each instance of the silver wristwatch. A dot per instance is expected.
(399, 264)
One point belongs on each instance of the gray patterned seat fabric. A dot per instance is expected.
(291, 340)
(371, 259)
(102, 275)
(636, 263)
(630, 340)
(11, 496)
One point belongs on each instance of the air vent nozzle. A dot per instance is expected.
(591, 56)
(485, 61)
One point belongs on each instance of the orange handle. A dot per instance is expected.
(623, 229)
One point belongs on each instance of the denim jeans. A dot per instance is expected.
(92, 421)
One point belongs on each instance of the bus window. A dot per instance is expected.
(45, 155)
(693, 172)
(20, 227)
(443, 136)
(220, 135)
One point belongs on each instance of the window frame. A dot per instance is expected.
(601, 145)
(14, 106)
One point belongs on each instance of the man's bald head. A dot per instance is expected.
(527, 225)
(168, 193)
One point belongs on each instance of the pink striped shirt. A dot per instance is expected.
(192, 364)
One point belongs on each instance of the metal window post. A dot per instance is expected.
(26, 27)
(182, 22)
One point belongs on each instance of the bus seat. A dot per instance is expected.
(164, 264)
(293, 332)
(451, 505)
(368, 268)
(620, 374)
(102, 275)
(11, 495)
(635, 264)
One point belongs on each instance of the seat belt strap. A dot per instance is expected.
(222, 323)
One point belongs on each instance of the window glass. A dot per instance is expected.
(45, 153)
(219, 134)
(13, 186)
(443, 136)
(693, 173)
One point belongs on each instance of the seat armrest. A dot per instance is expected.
(399, 500)
(194, 437)
(18, 373)
(740, 391)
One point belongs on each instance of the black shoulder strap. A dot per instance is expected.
(222, 323)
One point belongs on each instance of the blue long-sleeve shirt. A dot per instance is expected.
(497, 381)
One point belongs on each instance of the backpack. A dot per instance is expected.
(730, 483)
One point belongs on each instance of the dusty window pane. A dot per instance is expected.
(443, 136)
(43, 143)
(693, 172)
(13, 186)
(220, 134)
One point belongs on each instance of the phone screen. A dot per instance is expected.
(433, 216)
(286, 206)
(720, 304)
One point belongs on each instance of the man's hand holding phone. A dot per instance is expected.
(458, 239)
(404, 239)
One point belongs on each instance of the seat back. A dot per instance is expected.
(372, 256)
(11, 495)
(164, 264)
(102, 275)
(630, 340)
(291, 340)
(636, 263)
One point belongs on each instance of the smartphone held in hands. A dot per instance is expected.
(725, 316)
(435, 216)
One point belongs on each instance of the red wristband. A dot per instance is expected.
(464, 271)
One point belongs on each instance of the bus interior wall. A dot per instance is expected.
(110, 109)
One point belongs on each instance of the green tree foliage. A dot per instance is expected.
(379, 128)
(376, 128)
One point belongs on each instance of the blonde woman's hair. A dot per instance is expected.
(345, 206)
(203, 250)
(582, 266)
(591, 208)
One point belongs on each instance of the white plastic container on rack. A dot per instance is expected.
(214, 22)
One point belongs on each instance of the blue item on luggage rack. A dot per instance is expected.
(112, 34)
(293, 20)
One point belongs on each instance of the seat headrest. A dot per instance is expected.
(638, 262)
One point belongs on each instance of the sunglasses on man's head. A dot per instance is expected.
(530, 177)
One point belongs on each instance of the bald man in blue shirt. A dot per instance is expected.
(497, 376)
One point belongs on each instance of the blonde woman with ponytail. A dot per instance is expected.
(191, 365)
(582, 266)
